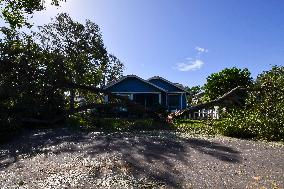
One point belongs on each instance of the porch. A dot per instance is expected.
(147, 99)
(171, 101)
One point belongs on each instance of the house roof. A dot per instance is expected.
(133, 76)
(167, 81)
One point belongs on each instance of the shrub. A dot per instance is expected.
(263, 115)
(87, 122)
(195, 126)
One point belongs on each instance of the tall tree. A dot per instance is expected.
(85, 58)
(16, 12)
(24, 90)
(227, 79)
(37, 71)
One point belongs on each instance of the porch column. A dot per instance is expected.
(181, 100)
(160, 98)
(131, 96)
(106, 99)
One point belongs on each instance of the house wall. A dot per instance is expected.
(163, 96)
(181, 98)
(170, 88)
(184, 105)
(133, 85)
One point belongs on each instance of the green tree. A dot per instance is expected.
(16, 12)
(222, 82)
(263, 114)
(24, 90)
(85, 58)
(193, 91)
(36, 70)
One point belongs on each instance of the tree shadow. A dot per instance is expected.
(34, 141)
(160, 156)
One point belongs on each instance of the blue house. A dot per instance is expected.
(150, 93)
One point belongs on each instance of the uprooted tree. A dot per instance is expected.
(261, 115)
(85, 60)
(227, 87)
(41, 74)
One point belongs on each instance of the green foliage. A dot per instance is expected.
(234, 125)
(90, 123)
(222, 82)
(23, 89)
(193, 91)
(15, 11)
(33, 68)
(85, 59)
(195, 126)
(263, 116)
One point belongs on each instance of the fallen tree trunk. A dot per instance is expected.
(125, 102)
(217, 102)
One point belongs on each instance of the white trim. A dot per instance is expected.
(175, 94)
(106, 99)
(134, 76)
(163, 79)
(131, 96)
(185, 100)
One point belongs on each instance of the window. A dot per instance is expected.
(174, 101)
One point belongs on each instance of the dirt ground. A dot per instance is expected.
(64, 158)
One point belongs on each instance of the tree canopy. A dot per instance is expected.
(16, 12)
(227, 79)
(85, 59)
(263, 114)
(36, 70)
(193, 91)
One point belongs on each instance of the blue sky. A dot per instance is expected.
(185, 40)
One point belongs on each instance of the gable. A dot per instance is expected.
(165, 85)
(133, 84)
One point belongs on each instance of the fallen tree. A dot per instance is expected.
(228, 98)
(121, 102)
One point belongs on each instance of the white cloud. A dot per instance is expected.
(201, 50)
(191, 65)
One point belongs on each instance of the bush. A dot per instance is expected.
(195, 126)
(235, 126)
(90, 123)
(252, 124)
(263, 115)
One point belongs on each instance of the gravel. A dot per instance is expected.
(63, 158)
